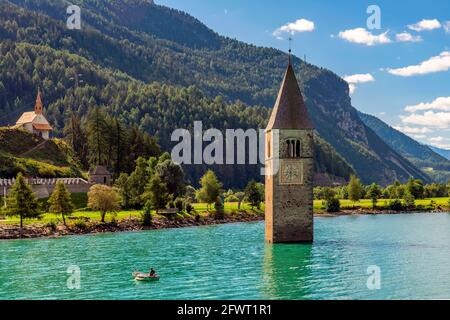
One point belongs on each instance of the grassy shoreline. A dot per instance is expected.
(88, 222)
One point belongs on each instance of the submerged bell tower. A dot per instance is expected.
(290, 157)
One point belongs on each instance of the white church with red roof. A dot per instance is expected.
(35, 121)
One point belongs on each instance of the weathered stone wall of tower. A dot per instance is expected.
(289, 192)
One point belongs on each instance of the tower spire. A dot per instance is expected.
(290, 111)
(38, 107)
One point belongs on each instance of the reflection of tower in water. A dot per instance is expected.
(287, 271)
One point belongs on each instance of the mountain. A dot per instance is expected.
(422, 156)
(442, 152)
(137, 43)
(28, 153)
(170, 107)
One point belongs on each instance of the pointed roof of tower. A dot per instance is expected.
(290, 110)
(38, 107)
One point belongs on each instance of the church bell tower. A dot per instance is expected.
(38, 107)
(290, 158)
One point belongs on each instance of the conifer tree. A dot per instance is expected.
(374, 192)
(97, 136)
(210, 188)
(156, 193)
(76, 137)
(61, 202)
(22, 201)
(119, 142)
(253, 194)
(354, 189)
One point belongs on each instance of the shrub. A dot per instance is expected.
(333, 205)
(79, 200)
(231, 198)
(146, 217)
(52, 225)
(179, 204)
(433, 205)
(220, 214)
(189, 208)
(80, 224)
(409, 200)
(47, 171)
(43, 205)
(114, 221)
(219, 205)
(396, 205)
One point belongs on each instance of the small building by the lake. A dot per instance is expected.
(100, 175)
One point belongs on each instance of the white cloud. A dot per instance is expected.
(445, 146)
(447, 26)
(301, 25)
(441, 104)
(362, 36)
(407, 37)
(413, 130)
(352, 88)
(425, 25)
(358, 78)
(439, 63)
(429, 119)
(436, 139)
(440, 142)
(418, 136)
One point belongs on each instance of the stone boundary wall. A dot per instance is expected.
(44, 187)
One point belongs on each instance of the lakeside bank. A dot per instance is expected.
(131, 224)
(134, 224)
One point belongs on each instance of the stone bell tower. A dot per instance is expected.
(290, 157)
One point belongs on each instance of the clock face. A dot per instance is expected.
(291, 173)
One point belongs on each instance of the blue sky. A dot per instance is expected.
(414, 34)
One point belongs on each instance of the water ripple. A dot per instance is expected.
(232, 262)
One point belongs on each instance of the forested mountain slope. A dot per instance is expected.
(420, 155)
(444, 153)
(134, 40)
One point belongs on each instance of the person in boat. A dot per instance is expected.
(152, 273)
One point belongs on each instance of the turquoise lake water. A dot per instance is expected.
(233, 262)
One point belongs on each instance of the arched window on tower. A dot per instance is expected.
(288, 148)
(293, 149)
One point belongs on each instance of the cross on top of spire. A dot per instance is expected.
(290, 49)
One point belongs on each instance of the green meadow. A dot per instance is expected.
(201, 209)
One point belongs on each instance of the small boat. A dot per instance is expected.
(139, 276)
